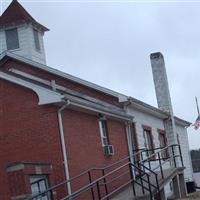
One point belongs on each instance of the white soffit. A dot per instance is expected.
(45, 96)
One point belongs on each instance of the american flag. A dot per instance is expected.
(197, 123)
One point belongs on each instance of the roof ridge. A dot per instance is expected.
(86, 83)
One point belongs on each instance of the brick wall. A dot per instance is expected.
(61, 81)
(29, 132)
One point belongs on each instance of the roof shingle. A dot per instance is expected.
(16, 14)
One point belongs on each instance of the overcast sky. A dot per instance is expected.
(109, 43)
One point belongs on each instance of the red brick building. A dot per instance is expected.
(32, 123)
(55, 126)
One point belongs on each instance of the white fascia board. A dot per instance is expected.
(45, 96)
(121, 97)
(62, 74)
(157, 113)
(150, 111)
(182, 122)
(102, 111)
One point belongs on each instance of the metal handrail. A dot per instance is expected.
(82, 174)
(139, 167)
(149, 158)
(154, 154)
(87, 187)
(79, 191)
(173, 156)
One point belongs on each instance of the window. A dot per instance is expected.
(107, 148)
(148, 140)
(163, 143)
(12, 39)
(103, 131)
(178, 139)
(36, 39)
(39, 184)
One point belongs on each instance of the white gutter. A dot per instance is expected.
(100, 111)
(64, 151)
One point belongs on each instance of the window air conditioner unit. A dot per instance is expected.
(108, 150)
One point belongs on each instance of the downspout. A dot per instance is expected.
(129, 140)
(64, 151)
(128, 133)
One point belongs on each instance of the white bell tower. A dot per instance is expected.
(21, 34)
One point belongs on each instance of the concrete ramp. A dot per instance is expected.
(169, 174)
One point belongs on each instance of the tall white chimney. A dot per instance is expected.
(163, 94)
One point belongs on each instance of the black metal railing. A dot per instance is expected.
(88, 173)
(168, 154)
(138, 172)
(145, 177)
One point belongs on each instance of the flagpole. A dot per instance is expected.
(197, 105)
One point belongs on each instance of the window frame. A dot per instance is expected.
(104, 131)
(7, 39)
(178, 138)
(148, 129)
(36, 39)
(162, 133)
(41, 177)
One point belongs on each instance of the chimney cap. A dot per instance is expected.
(156, 55)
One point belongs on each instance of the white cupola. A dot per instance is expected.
(21, 34)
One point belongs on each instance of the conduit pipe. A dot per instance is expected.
(64, 151)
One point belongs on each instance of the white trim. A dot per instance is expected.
(101, 132)
(122, 98)
(45, 96)
(104, 135)
(128, 118)
(129, 141)
(61, 74)
(29, 76)
(8, 29)
(17, 167)
(63, 146)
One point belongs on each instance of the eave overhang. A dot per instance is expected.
(141, 106)
(6, 55)
(45, 96)
(123, 99)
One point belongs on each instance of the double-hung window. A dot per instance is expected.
(163, 143)
(107, 147)
(36, 39)
(148, 138)
(103, 131)
(12, 39)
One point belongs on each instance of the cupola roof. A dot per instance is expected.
(16, 14)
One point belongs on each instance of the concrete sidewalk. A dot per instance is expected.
(193, 196)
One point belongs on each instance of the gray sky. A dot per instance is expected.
(109, 43)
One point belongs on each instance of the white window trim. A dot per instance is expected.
(37, 50)
(17, 38)
(103, 136)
